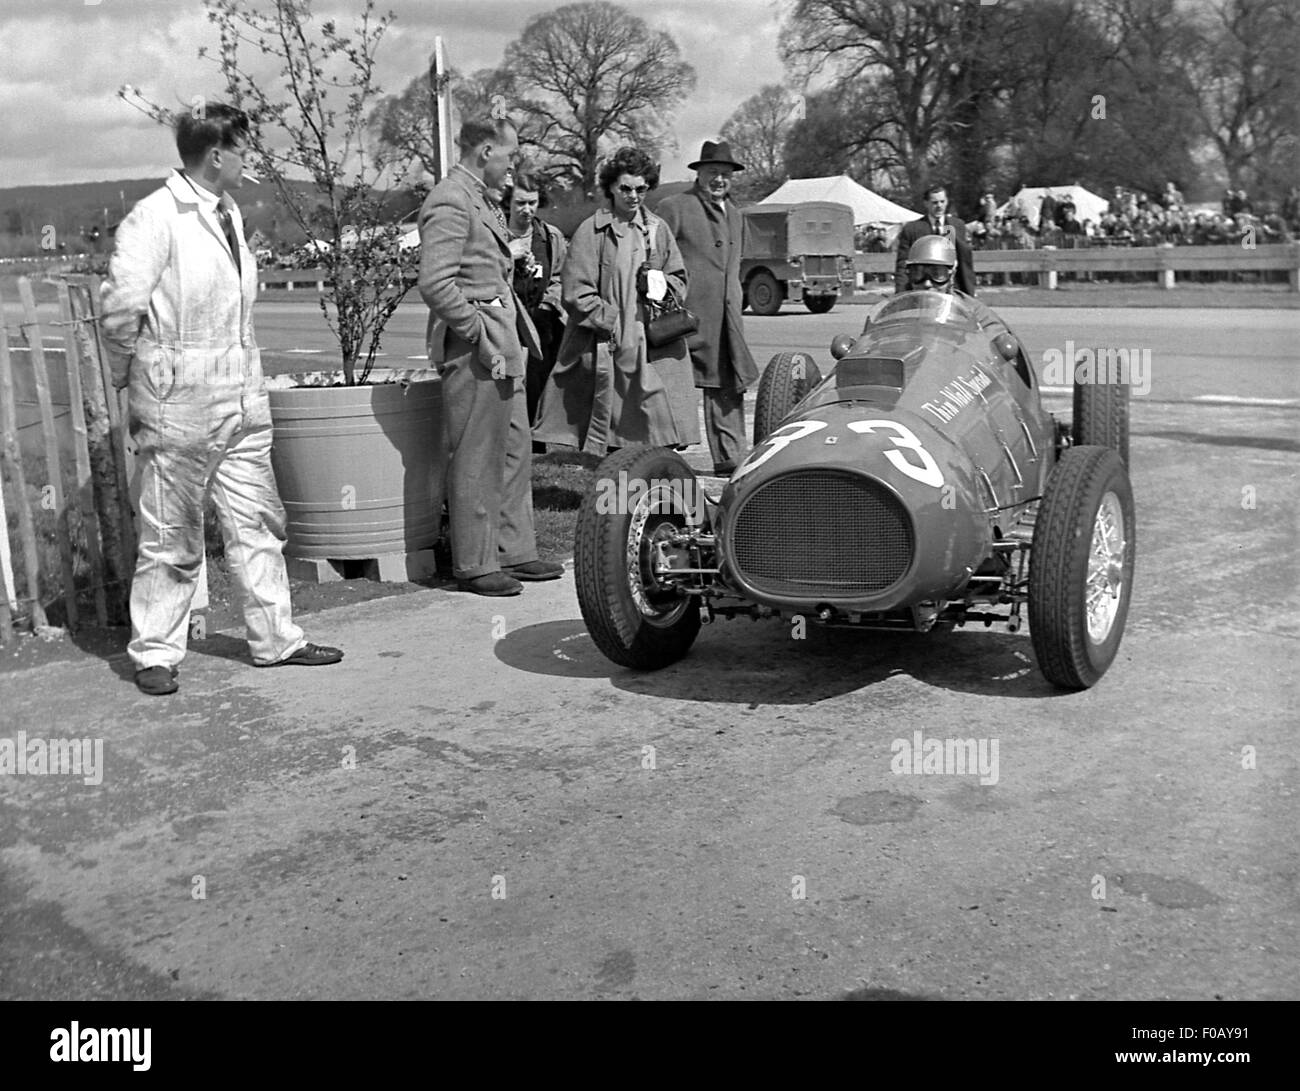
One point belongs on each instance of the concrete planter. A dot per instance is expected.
(360, 470)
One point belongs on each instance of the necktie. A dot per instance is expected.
(228, 226)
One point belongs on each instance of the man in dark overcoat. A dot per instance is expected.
(709, 229)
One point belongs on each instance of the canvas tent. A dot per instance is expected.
(868, 207)
(1087, 205)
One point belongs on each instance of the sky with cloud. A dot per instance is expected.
(64, 60)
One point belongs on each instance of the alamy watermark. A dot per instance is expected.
(1105, 366)
(657, 496)
(919, 756)
(38, 757)
(115, 1045)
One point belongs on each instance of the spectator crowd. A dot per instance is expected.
(1134, 218)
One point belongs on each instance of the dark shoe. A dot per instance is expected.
(724, 469)
(309, 655)
(156, 681)
(535, 570)
(494, 584)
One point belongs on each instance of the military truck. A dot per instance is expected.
(800, 251)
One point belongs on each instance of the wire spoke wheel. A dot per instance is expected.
(1081, 567)
(1105, 568)
(642, 497)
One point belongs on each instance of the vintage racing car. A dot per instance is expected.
(920, 484)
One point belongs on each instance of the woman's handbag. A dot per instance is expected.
(671, 322)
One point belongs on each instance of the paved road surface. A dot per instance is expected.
(1240, 354)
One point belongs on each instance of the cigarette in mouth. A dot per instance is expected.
(249, 176)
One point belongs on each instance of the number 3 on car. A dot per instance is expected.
(778, 441)
(928, 472)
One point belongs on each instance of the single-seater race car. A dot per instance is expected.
(919, 484)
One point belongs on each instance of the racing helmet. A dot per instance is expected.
(932, 259)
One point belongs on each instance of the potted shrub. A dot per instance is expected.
(358, 452)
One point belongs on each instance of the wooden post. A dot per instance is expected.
(53, 463)
(11, 455)
(123, 459)
(85, 489)
(107, 462)
(8, 596)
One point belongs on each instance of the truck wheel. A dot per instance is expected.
(634, 619)
(764, 292)
(1101, 416)
(785, 383)
(819, 304)
(1081, 567)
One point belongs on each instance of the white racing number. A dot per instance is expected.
(928, 472)
(778, 441)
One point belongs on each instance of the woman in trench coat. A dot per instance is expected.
(610, 388)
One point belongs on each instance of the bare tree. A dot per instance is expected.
(757, 132)
(588, 76)
(403, 123)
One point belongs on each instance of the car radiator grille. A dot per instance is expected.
(817, 531)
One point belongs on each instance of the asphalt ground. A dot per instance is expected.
(475, 804)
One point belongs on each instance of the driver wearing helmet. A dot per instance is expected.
(931, 263)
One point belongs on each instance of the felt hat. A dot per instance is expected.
(718, 154)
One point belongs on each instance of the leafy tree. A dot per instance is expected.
(1034, 91)
(1246, 68)
(586, 77)
(920, 81)
(313, 120)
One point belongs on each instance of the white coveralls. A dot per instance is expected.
(177, 320)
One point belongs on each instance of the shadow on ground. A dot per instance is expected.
(756, 663)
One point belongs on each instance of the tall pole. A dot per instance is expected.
(440, 103)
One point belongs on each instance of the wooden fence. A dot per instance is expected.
(72, 514)
(1165, 261)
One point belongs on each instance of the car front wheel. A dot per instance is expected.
(641, 498)
(1081, 567)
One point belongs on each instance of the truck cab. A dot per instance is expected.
(801, 252)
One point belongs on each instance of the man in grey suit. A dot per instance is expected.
(475, 331)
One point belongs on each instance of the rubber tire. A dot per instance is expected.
(764, 293)
(616, 626)
(820, 304)
(780, 389)
(1101, 416)
(1058, 566)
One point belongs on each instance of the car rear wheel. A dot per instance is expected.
(640, 498)
(1081, 567)
(819, 304)
(764, 293)
(1101, 416)
(786, 381)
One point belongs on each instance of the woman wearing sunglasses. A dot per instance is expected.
(610, 388)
